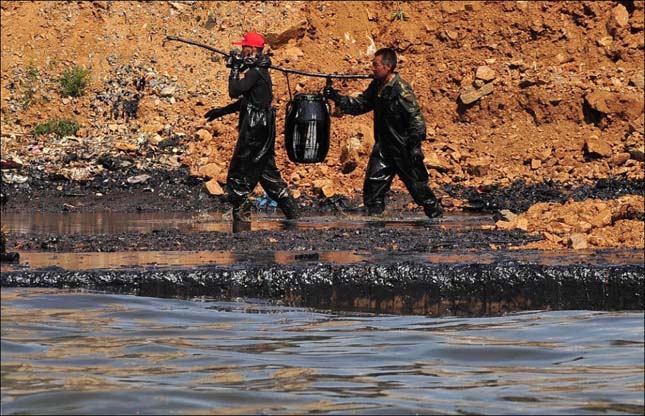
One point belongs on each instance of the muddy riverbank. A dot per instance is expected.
(178, 190)
(334, 257)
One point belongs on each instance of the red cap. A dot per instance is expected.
(251, 39)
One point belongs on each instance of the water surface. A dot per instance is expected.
(90, 353)
(116, 222)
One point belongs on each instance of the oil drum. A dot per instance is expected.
(307, 128)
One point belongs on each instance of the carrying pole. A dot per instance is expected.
(277, 68)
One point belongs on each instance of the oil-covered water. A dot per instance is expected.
(116, 222)
(69, 352)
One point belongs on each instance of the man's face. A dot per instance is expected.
(380, 70)
(248, 51)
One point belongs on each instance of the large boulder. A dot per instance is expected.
(625, 106)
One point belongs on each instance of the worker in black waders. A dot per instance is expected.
(253, 159)
(399, 127)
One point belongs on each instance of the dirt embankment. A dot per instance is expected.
(513, 92)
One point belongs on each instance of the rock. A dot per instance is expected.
(168, 91)
(578, 241)
(329, 190)
(294, 53)
(211, 170)
(156, 139)
(169, 142)
(349, 155)
(126, 147)
(536, 164)
(602, 219)
(507, 215)
(595, 147)
(471, 94)
(522, 6)
(537, 24)
(213, 187)
(176, 5)
(325, 187)
(638, 80)
(618, 19)
(451, 7)
(79, 174)
(627, 106)
(563, 58)
(473, 6)
(619, 159)
(153, 127)
(582, 227)
(364, 133)
(605, 41)
(638, 153)
(479, 168)
(204, 135)
(452, 34)
(138, 179)
(485, 73)
(297, 31)
(505, 225)
(433, 161)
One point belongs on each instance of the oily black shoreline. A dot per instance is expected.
(400, 287)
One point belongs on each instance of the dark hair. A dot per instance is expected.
(388, 56)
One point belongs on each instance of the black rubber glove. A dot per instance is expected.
(214, 113)
(263, 61)
(330, 93)
(235, 73)
(234, 62)
(234, 59)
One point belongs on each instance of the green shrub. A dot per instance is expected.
(60, 127)
(29, 87)
(399, 14)
(74, 81)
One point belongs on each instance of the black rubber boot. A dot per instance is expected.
(375, 210)
(433, 210)
(239, 226)
(289, 207)
(242, 212)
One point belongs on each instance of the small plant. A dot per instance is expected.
(399, 14)
(32, 72)
(60, 127)
(6, 118)
(29, 88)
(74, 81)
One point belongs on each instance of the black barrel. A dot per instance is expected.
(306, 133)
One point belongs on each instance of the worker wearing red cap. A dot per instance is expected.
(253, 159)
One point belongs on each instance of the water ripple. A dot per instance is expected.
(80, 352)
